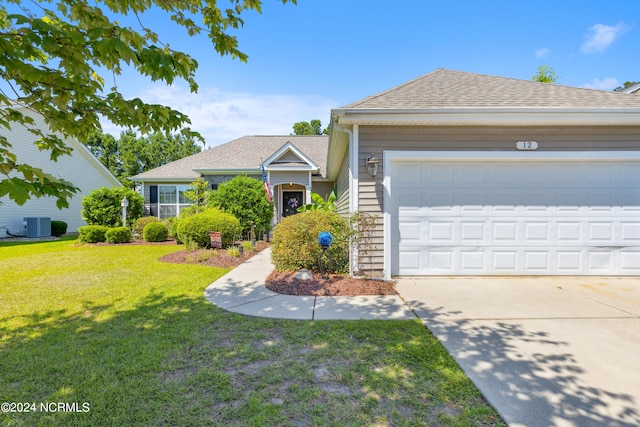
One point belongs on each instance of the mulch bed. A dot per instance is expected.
(212, 257)
(336, 285)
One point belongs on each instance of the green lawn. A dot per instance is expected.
(123, 339)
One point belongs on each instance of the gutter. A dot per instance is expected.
(164, 179)
(492, 116)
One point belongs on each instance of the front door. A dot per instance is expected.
(291, 201)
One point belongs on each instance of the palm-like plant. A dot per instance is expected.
(320, 204)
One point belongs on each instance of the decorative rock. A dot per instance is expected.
(304, 274)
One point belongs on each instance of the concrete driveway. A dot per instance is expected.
(548, 351)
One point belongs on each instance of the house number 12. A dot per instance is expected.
(526, 145)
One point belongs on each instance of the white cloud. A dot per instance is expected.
(601, 36)
(608, 83)
(542, 52)
(222, 116)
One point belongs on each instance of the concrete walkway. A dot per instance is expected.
(242, 291)
(546, 351)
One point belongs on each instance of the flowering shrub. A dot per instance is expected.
(295, 242)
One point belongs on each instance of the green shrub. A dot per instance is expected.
(102, 206)
(173, 229)
(141, 222)
(118, 235)
(194, 229)
(92, 233)
(155, 232)
(295, 242)
(58, 228)
(245, 198)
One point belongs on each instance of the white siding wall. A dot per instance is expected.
(81, 168)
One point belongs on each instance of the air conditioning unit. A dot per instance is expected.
(38, 226)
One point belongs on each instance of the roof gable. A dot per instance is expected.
(291, 158)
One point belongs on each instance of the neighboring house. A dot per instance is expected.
(295, 166)
(483, 175)
(80, 168)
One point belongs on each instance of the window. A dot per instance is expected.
(171, 200)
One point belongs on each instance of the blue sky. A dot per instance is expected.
(322, 54)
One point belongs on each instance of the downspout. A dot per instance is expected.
(353, 186)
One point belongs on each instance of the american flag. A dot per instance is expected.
(266, 183)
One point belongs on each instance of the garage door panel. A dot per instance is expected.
(568, 231)
(504, 231)
(630, 232)
(440, 174)
(409, 199)
(629, 261)
(630, 202)
(438, 201)
(600, 260)
(410, 262)
(473, 232)
(504, 260)
(569, 261)
(536, 261)
(440, 232)
(537, 231)
(472, 261)
(410, 231)
(409, 174)
(503, 218)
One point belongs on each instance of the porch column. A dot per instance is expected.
(307, 187)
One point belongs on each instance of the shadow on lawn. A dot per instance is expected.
(177, 360)
(109, 360)
(546, 384)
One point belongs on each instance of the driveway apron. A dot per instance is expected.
(548, 351)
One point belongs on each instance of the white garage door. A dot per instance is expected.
(515, 217)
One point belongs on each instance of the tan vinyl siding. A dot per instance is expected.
(376, 139)
(286, 177)
(342, 188)
(322, 188)
(370, 199)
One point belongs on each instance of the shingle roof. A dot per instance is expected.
(442, 89)
(240, 154)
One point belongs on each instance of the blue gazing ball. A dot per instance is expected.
(325, 238)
